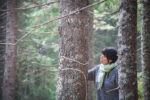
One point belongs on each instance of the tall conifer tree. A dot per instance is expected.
(10, 57)
(91, 52)
(145, 48)
(127, 50)
(2, 40)
(73, 52)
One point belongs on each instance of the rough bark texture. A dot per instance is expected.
(73, 52)
(2, 40)
(91, 55)
(145, 48)
(127, 50)
(10, 57)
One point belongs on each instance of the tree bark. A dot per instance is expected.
(145, 48)
(127, 50)
(2, 40)
(10, 57)
(73, 52)
(91, 54)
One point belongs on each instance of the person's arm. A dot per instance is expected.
(92, 73)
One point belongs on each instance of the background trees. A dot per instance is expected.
(3, 5)
(37, 65)
(9, 80)
(90, 51)
(145, 48)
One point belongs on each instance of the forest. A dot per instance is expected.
(47, 47)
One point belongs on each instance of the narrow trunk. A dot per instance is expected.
(2, 40)
(127, 50)
(73, 52)
(10, 57)
(91, 55)
(145, 48)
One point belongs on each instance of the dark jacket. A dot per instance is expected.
(108, 91)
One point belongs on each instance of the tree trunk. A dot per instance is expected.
(10, 57)
(127, 50)
(73, 52)
(145, 48)
(91, 54)
(2, 40)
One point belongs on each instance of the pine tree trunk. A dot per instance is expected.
(2, 40)
(73, 52)
(127, 50)
(145, 48)
(10, 57)
(91, 55)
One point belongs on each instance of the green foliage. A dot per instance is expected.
(140, 89)
(37, 53)
(139, 39)
(105, 27)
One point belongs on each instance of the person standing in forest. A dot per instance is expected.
(105, 75)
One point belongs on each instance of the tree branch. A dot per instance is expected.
(113, 89)
(74, 60)
(73, 12)
(138, 37)
(37, 6)
(1, 10)
(54, 19)
(109, 14)
(44, 64)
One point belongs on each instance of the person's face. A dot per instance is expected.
(104, 60)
